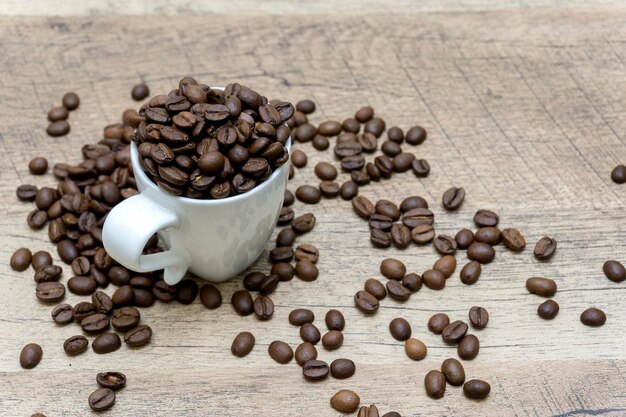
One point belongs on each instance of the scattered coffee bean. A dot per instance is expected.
(400, 329)
(186, 291)
(58, 128)
(412, 281)
(75, 345)
(138, 336)
(140, 92)
(70, 101)
(306, 106)
(333, 339)
(543, 287)
(38, 166)
(263, 307)
(464, 238)
(26, 192)
(476, 389)
(435, 384)
(481, 252)
(83, 309)
(30, 356)
(548, 310)
(375, 288)
(308, 194)
(342, 368)
(392, 414)
(484, 218)
(392, 268)
(423, 233)
(593, 317)
(397, 291)
(434, 279)
(210, 296)
(420, 167)
(371, 411)
(307, 252)
(415, 349)
(334, 320)
(470, 273)
(453, 371)
(300, 316)
(111, 380)
(50, 292)
(125, 318)
(96, 323)
(102, 399)
(315, 370)
(285, 237)
(618, 175)
(345, 401)
(20, 260)
(363, 207)
(298, 158)
(281, 352)
(489, 235)
(454, 331)
(438, 322)
(545, 248)
(513, 239)
(446, 264)
(58, 113)
(468, 347)
(413, 202)
(123, 296)
(614, 271)
(63, 314)
(242, 344)
(349, 190)
(415, 135)
(303, 224)
(453, 198)
(310, 333)
(305, 352)
(366, 302)
(478, 317)
(242, 302)
(82, 285)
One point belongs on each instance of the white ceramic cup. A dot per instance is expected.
(214, 239)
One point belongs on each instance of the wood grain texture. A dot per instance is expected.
(524, 109)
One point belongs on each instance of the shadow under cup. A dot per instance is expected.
(214, 239)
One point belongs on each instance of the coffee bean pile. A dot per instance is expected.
(200, 142)
(59, 126)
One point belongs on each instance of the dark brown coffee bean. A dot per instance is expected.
(345, 401)
(30, 356)
(548, 310)
(26, 192)
(281, 254)
(281, 352)
(513, 239)
(102, 399)
(351, 125)
(543, 287)
(186, 291)
(70, 101)
(307, 252)
(446, 264)
(140, 92)
(315, 370)
(375, 288)
(50, 292)
(67, 250)
(305, 352)
(306, 106)
(342, 368)
(334, 320)
(434, 279)
(470, 273)
(75, 345)
(484, 218)
(329, 128)
(81, 285)
(454, 331)
(298, 158)
(418, 217)
(387, 208)
(476, 389)
(288, 199)
(364, 114)
(310, 333)
(438, 322)
(308, 194)
(618, 174)
(304, 223)
(38, 166)
(446, 245)
(320, 142)
(210, 296)
(164, 292)
(423, 233)
(453, 198)
(415, 135)
(415, 349)
(106, 343)
(300, 316)
(468, 347)
(349, 190)
(366, 302)
(143, 297)
(81, 265)
(58, 113)
(306, 271)
(464, 238)
(489, 235)
(263, 307)
(435, 384)
(58, 128)
(333, 339)
(123, 296)
(478, 317)
(412, 281)
(242, 344)
(392, 268)
(384, 165)
(395, 134)
(285, 271)
(390, 148)
(125, 319)
(96, 323)
(421, 167)
(380, 238)
(453, 371)
(111, 380)
(329, 189)
(83, 309)
(36, 219)
(269, 284)
(45, 197)
(63, 314)
(102, 302)
(614, 271)
(400, 236)
(481, 252)
(20, 260)
(352, 163)
(242, 302)
(400, 329)
(375, 126)
(545, 248)
(138, 336)
(593, 317)
(381, 222)
(363, 207)
(397, 291)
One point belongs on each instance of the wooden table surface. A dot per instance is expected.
(525, 108)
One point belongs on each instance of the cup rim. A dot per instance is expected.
(138, 171)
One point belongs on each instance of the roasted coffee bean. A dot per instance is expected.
(381, 222)
(367, 141)
(96, 323)
(186, 291)
(352, 163)
(315, 370)
(263, 307)
(320, 142)
(618, 174)
(334, 320)
(380, 238)
(392, 268)
(102, 302)
(400, 329)
(141, 282)
(211, 163)
(45, 197)
(543, 287)
(210, 296)
(484, 218)
(164, 292)
(36, 219)
(281, 352)
(38, 166)
(415, 349)
(363, 207)
(481, 252)
(446, 245)
(80, 285)
(30, 356)
(364, 114)
(489, 235)
(307, 252)
(300, 316)
(418, 217)
(26, 192)
(470, 273)
(20, 260)
(375, 288)
(310, 333)
(545, 248)
(342, 368)
(305, 106)
(63, 314)
(140, 92)
(468, 347)
(478, 317)
(58, 113)
(434, 279)
(366, 302)
(305, 352)
(397, 291)
(387, 208)
(333, 339)
(464, 238)
(67, 250)
(329, 128)
(81, 265)
(118, 275)
(125, 318)
(269, 284)
(513, 239)
(614, 271)
(415, 135)
(421, 167)
(111, 380)
(298, 158)
(281, 254)
(138, 336)
(435, 384)
(242, 302)
(285, 271)
(372, 171)
(453, 198)
(384, 165)
(593, 317)
(304, 223)
(242, 344)
(286, 237)
(143, 297)
(349, 190)
(454, 331)
(446, 264)
(123, 296)
(58, 128)
(412, 281)
(351, 125)
(453, 371)
(400, 236)
(438, 322)
(423, 233)
(476, 389)
(371, 411)
(390, 148)
(50, 292)
(329, 189)
(70, 101)
(375, 126)
(345, 401)
(306, 271)
(83, 309)
(102, 399)
(75, 345)
(305, 132)
(548, 310)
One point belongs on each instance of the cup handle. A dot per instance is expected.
(128, 228)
